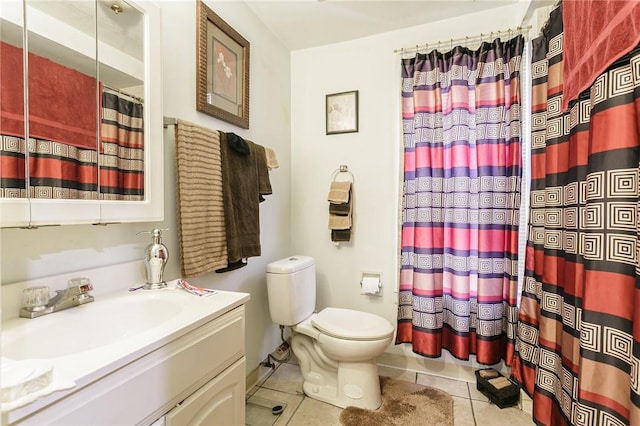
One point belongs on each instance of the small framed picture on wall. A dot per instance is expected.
(342, 112)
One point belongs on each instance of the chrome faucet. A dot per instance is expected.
(36, 301)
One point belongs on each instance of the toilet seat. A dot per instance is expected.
(351, 325)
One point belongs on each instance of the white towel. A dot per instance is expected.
(24, 381)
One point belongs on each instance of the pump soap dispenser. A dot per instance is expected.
(155, 258)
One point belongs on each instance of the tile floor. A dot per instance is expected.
(283, 386)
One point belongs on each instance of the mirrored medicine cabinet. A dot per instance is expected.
(80, 112)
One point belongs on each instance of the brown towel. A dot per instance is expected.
(342, 209)
(340, 235)
(201, 225)
(264, 184)
(245, 180)
(339, 192)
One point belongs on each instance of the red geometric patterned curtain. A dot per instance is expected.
(462, 168)
(578, 346)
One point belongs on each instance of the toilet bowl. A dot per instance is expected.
(336, 348)
(338, 361)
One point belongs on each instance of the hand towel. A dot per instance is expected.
(339, 192)
(596, 33)
(200, 201)
(339, 222)
(342, 209)
(340, 235)
(272, 161)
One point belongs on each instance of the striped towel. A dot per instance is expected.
(200, 208)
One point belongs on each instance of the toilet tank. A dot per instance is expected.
(291, 288)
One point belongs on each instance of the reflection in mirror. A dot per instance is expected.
(85, 94)
(62, 92)
(12, 150)
(121, 74)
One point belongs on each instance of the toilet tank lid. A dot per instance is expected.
(352, 325)
(289, 265)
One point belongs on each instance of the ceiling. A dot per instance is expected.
(301, 24)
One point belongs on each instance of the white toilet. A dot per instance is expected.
(336, 348)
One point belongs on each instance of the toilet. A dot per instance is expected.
(336, 348)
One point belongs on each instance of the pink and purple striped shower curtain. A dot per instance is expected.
(462, 168)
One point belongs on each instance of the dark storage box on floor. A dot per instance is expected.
(499, 389)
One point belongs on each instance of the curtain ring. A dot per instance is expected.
(491, 37)
(451, 44)
(481, 38)
(466, 41)
(509, 33)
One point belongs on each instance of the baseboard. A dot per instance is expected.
(257, 375)
(445, 366)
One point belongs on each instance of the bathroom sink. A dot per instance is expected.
(91, 326)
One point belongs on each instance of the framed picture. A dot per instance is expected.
(222, 89)
(342, 112)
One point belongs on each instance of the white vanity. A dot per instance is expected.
(141, 357)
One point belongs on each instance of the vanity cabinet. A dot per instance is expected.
(80, 112)
(197, 379)
(218, 403)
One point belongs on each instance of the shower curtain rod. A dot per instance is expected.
(466, 40)
(121, 92)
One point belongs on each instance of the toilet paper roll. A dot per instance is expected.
(371, 285)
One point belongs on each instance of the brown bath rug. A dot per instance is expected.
(406, 404)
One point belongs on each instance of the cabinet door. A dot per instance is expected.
(80, 112)
(219, 402)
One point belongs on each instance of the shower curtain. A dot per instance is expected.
(462, 168)
(578, 343)
(121, 147)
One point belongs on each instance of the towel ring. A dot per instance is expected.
(343, 169)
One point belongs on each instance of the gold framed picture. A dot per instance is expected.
(222, 88)
(342, 112)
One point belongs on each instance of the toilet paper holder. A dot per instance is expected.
(371, 283)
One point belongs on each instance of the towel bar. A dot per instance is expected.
(169, 121)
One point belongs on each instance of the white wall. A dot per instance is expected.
(30, 254)
(370, 66)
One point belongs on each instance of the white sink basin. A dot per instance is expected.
(105, 321)
(86, 344)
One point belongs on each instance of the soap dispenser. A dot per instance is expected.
(155, 258)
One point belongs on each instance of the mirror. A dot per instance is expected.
(12, 131)
(62, 88)
(87, 74)
(121, 74)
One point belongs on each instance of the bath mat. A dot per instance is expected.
(406, 404)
